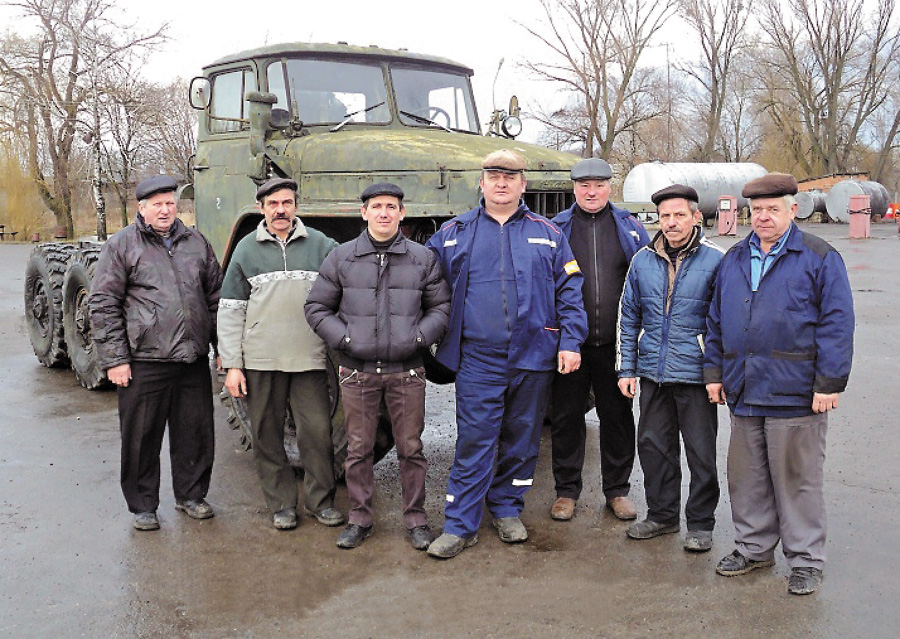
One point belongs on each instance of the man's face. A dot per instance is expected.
(280, 208)
(676, 220)
(592, 195)
(383, 214)
(770, 218)
(502, 189)
(159, 211)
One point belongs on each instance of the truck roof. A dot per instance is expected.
(340, 49)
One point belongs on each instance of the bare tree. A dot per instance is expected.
(175, 130)
(596, 48)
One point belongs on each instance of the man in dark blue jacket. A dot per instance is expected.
(779, 348)
(516, 316)
(662, 325)
(604, 238)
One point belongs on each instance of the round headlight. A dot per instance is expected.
(511, 126)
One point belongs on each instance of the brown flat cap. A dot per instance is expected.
(275, 184)
(771, 185)
(504, 161)
(676, 190)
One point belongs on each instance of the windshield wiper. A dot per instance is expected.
(349, 116)
(424, 120)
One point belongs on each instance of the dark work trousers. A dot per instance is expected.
(499, 414)
(775, 479)
(160, 393)
(666, 410)
(269, 395)
(404, 394)
(567, 427)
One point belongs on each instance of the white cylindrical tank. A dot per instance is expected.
(710, 179)
(809, 202)
(838, 199)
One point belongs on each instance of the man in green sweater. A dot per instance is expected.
(274, 359)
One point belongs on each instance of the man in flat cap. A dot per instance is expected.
(273, 357)
(662, 328)
(516, 317)
(153, 316)
(604, 238)
(380, 301)
(778, 351)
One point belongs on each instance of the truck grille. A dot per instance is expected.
(549, 203)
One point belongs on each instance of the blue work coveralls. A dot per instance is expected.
(504, 368)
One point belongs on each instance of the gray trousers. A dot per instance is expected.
(269, 394)
(775, 478)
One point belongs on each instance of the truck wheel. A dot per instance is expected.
(77, 318)
(43, 302)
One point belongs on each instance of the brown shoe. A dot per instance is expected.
(622, 507)
(563, 509)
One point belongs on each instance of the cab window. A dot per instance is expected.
(228, 108)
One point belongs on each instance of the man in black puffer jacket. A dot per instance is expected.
(153, 316)
(379, 301)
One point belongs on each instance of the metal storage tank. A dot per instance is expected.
(710, 179)
(809, 202)
(838, 198)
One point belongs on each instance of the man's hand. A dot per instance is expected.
(236, 383)
(716, 393)
(628, 386)
(568, 361)
(120, 375)
(822, 402)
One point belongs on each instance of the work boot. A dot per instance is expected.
(622, 507)
(648, 529)
(804, 580)
(285, 519)
(563, 509)
(145, 521)
(195, 508)
(420, 537)
(736, 564)
(511, 530)
(327, 516)
(449, 545)
(698, 540)
(353, 535)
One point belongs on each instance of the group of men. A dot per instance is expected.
(531, 315)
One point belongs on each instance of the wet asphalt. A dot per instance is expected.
(72, 566)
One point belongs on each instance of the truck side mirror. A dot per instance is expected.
(260, 119)
(200, 93)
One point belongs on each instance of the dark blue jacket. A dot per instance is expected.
(632, 235)
(664, 341)
(550, 314)
(789, 339)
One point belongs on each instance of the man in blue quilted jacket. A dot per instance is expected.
(778, 350)
(662, 327)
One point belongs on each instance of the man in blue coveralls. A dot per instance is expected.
(516, 316)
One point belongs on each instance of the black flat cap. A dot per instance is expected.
(771, 185)
(591, 169)
(154, 185)
(275, 184)
(676, 190)
(382, 188)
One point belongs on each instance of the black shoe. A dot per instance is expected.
(195, 508)
(736, 564)
(804, 581)
(353, 535)
(146, 521)
(649, 529)
(420, 537)
(327, 516)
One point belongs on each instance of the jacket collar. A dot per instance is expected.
(175, 231)
(658, 244)
(298, 231)
(364, 244)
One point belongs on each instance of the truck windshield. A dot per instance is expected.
(326, 92)
(434, 98)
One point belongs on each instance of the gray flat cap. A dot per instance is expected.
(154, 185)
(591, 169)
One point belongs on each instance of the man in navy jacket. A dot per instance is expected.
(604, 238)
(516, 316)
(779, 349)
(662, 326)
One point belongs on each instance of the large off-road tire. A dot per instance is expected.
(77, 319)
(43, 302)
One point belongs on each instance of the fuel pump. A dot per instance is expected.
(727, 214)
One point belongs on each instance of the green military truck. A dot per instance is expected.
(335, 118)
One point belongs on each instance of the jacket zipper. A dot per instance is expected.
(596, 331)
